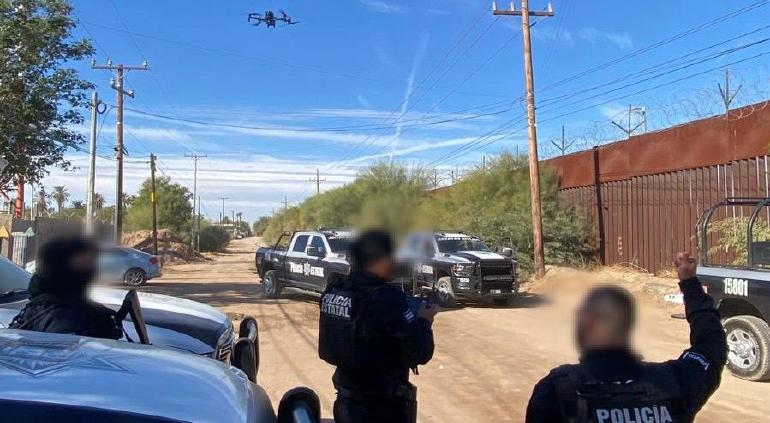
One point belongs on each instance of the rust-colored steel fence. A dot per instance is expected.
(643, 196)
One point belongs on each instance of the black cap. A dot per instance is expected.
(369, 247)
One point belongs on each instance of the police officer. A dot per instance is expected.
(368, 330)
(611, 384)
(58, 290)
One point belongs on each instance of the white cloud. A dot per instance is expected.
(363, 101)
(380, 6)
(621, 40)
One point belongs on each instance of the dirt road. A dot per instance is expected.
(487, 359)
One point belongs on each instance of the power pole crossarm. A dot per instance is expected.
(117, 85)
(534, 166)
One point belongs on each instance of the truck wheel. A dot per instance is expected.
(748, 342)
(271, 285)
(445, 295)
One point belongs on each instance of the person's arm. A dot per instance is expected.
(413, 332)
(543, 404)
(699, 368)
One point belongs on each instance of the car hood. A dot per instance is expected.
(189, 317)
(133, 378)
(158, 335)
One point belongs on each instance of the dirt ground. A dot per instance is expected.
(487, 359)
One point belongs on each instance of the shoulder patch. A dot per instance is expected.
(689, 355)
(409, 316)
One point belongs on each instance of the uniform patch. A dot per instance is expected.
(409, 316)
(697, 357)
(651, 414)
(336, 305)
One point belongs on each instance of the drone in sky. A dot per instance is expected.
(269, 18)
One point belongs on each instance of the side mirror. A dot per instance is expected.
(299, 405)
(314, 252)
(249, 329)
(507, 252)
(245, 358)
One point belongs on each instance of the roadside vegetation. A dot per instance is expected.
(492, 202)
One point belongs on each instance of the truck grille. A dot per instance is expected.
(497, 274)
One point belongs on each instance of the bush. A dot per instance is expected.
(214, 238)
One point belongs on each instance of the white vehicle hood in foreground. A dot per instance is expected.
(113, 296)
(114, 375)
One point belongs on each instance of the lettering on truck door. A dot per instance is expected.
(296, 260)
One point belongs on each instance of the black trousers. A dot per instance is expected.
(349, 410)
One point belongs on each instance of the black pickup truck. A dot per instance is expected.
(459, 266)
(309, 261)
(738, 277)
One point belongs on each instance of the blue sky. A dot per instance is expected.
(426, 83)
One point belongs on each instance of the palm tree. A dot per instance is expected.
(98, 201)
(41, 203)
(78, 204)
(60, 195)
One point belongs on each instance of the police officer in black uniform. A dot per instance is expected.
(368, 330)
(59, 303)
(611, 384)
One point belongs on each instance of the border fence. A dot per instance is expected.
(643, 195)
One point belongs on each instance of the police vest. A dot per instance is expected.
(653, 398)
(340, 339)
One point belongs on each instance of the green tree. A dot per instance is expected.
(174, 207)
(41, 95)
(60, 195)
(78, 204)
(99, 201)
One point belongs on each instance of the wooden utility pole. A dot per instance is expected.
(117, 85)
(198, 231)
(95, 103)
(534, 167)
(154, 201)
(317, 181)
(222, 219)
(193, 228)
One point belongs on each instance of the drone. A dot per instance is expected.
(270, 19)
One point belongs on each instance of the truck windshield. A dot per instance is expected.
(461, 244)
(339, 245)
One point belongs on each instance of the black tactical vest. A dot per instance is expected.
(340, 340)
(655, 397)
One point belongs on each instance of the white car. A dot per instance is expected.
(172, 322)
(67, 378)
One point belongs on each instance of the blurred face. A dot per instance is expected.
(83, 263)
(384, 268)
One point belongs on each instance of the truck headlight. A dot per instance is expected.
(463, 269)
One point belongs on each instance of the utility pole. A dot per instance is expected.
(630, 128)
(154, 200)
(193, 228)
(95, 103)
(727, 96)
(285, 204)
(117, 85)
(198, 231)
(317, 181)
(222, 218)
(564, 145)
(534, 167)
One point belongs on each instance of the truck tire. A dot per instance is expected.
(748, 342)
(444, 294)
(271, 284)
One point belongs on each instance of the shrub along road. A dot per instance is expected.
(487, 359)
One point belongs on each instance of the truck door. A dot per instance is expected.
(316, 254)
(427, 268)
(297, 261)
